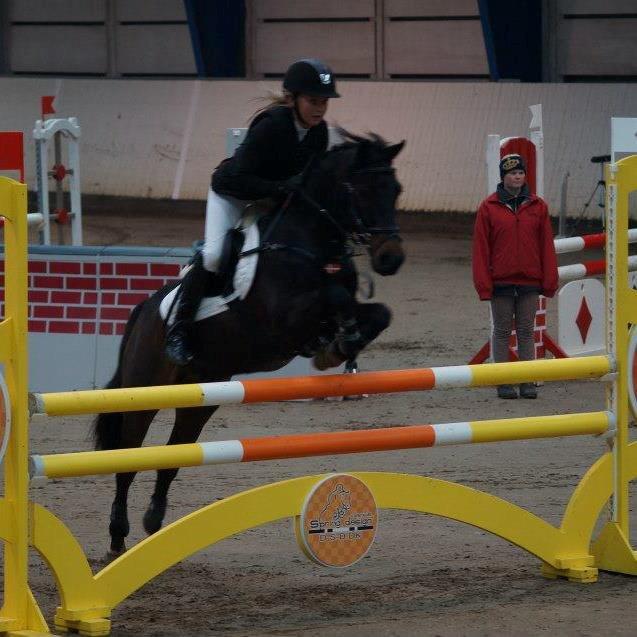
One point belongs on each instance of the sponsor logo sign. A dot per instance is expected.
(338, 521)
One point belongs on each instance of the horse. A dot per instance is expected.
(302, 302)
(339, 504)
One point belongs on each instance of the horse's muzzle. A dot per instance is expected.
(387, 254)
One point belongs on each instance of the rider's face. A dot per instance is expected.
(311, 109)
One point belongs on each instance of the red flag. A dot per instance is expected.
(12, 153)
(47, 105)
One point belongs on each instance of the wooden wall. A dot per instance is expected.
(98, 37)
(584, 40)
(592, 40)
(401, 39)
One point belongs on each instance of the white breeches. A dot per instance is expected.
(222, 214)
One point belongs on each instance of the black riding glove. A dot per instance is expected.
(293, 184)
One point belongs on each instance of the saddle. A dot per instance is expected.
(235, 278)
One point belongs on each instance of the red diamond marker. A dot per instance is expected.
(584, 319)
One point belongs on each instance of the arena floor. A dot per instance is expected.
(424, 575)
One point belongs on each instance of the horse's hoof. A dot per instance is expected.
(154, 516)
(349, 349)
(326, 359)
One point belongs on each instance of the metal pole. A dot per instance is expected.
(73, 147)
(43, 184)
(59, 188)
(561, 229)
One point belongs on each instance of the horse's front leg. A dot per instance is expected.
(359, 324)
(371, 319)
(129, 431)
(188, 425)
(119, 526)
(340, 306)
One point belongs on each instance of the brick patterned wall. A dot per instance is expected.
(540, 327)
(88, 297)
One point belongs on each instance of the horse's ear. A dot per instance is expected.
(392, 151)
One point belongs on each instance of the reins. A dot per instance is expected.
(361, 234)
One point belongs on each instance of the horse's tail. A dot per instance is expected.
(107, 428)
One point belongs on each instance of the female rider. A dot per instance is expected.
(280, 142)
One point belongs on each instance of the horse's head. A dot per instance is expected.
(364, 173)
(375, 192)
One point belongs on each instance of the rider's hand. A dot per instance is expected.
(293, 184)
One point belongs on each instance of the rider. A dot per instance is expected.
(281, 141)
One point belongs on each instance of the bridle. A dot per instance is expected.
(390, 232)
(360, 234)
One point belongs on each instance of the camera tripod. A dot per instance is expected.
(600, 190)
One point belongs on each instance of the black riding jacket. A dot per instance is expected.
(270, 154)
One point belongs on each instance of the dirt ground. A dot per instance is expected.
(424, 575)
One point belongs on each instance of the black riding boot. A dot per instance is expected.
(192, 290)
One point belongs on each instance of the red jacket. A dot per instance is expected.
(513, 247)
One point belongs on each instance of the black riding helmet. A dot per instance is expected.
(310, 77)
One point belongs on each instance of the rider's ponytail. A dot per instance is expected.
(274, 98)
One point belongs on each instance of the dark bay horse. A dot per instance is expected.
(302, 301)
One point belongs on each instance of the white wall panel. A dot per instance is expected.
(63, 49)
(133, 130)
(432, 48)
(57, 10)
(347, 46)
(150, 10)
(155, 49)
(430, 7)
(264, 9)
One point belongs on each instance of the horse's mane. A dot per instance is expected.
(361, 150)
(355, 154)
(351, 140)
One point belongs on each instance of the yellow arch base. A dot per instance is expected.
(87, 599)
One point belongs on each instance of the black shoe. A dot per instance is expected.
(177, 349)
(507, 392)
(527, 390)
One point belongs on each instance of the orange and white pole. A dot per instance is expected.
(299, 387)
(303, 445)
(577, 271)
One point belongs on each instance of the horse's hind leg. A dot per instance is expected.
(188, 425)
(134, 428)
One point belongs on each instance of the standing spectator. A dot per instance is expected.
(513, 262)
